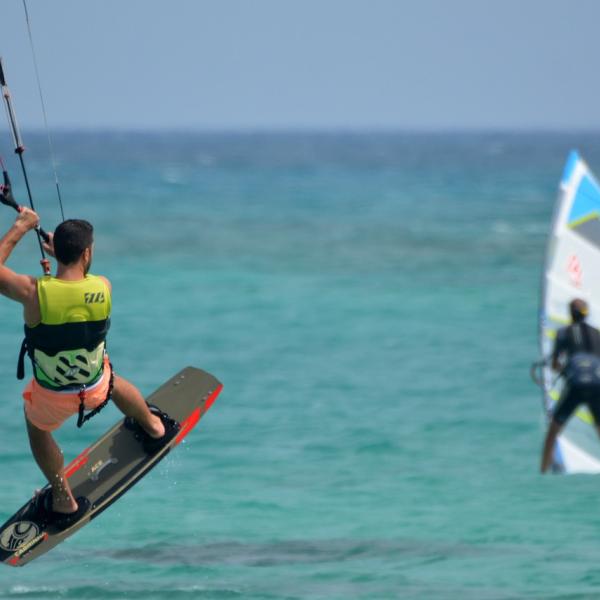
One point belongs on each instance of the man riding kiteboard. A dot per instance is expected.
(67, 317)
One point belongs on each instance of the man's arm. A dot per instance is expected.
(12, 285)
(107, 282)
(559, 349)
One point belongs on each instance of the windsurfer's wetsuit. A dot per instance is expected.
(68, 350)
(580, 343)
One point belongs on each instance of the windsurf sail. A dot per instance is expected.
(571, 271)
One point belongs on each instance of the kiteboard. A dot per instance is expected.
(107, 469)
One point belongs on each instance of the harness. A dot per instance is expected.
(581, 339)
(67, 348)
(583, 362)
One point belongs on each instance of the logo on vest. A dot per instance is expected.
(94, 297)
(68, 369)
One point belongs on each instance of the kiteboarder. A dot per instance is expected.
(67, 317)
(576, 356)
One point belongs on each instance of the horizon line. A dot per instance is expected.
(275, 130)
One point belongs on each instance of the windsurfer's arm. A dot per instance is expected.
(12, 285)
(556, 364)
(558, 352)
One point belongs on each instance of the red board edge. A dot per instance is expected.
(14, 560)
(77, 463)
(192, 419)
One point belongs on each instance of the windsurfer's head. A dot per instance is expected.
(73, 241)
(578, 309)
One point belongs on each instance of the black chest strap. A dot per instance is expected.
(21, 361)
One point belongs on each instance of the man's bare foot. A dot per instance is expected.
(62, 498)
(65, 505)
(157, 428)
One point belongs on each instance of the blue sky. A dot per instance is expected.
(310, 64)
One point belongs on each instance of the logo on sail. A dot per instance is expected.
(575, 271)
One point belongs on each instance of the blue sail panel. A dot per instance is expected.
(586, 204)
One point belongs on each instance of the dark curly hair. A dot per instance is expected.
(71, 238)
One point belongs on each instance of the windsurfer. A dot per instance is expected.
(66, 318)
(576, 356)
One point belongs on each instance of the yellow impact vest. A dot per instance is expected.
(67, 347)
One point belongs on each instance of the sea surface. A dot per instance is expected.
(369, 302)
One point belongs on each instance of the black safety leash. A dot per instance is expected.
(6, 196)
(83, 417)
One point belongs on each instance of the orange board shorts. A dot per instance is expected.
(48, 410)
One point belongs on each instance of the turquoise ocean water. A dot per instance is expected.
(369, 302)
